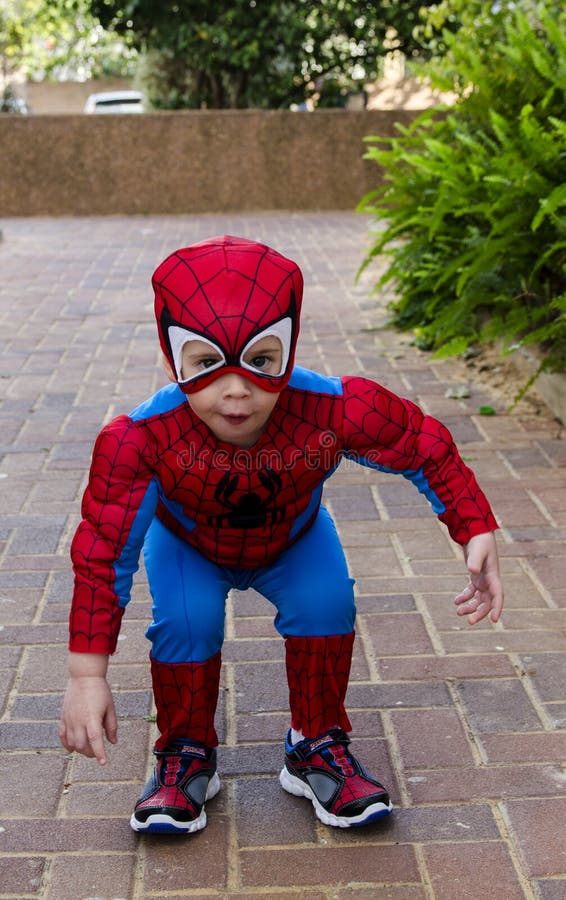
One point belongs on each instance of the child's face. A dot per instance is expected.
(234, 408)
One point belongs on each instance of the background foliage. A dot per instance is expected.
(472, 214)
(59, 40)
(257, 53)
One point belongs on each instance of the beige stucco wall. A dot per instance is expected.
(48, 97)
(190, 161)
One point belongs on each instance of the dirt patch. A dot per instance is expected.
(507, 377)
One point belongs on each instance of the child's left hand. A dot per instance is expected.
(484, 594)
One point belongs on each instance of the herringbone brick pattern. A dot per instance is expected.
(467, 726)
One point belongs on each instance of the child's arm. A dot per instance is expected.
(88, 708)
(484, 594)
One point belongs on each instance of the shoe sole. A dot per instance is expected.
(298, 788)
(161, 823)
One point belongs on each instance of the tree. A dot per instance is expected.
(242, 53)
(61, 40)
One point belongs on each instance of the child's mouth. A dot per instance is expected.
(235, 419)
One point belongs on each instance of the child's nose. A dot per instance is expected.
(235, 385)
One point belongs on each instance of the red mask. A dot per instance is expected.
(228, 292)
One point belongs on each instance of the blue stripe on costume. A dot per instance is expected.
(165, 400)
(176, 510)
(417, 476)
(307, 380)
(302, 520)
(128, 561)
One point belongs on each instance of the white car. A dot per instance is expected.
(114, 102)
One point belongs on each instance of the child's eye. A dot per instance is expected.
(260, 362)
(208, 361)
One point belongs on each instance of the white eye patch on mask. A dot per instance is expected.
(179, 337)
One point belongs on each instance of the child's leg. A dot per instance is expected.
(314, 596)
(187, 633)
(313, 592)
(318, 669)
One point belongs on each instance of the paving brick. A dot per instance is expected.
(91, 875)
(39, 735)
(202, 863)
(484, 782)
(540, 619)
(266, 815)
(551, 572)
(254, 650)
(27, 788)
(548, 673)
(407, 694)
(255, 759)
(445, 667)
(517, 747)
(499, 705)
(256, 627)
(21, 875)
(432, 737)
(538, 827)
(462, 871)
(556, 713)
(329, 865)
(398, 634)
(385, 604)
(480, 640)
(261, 687)
(367, 560)
(551, 889)
(428, 824)
(51, 835)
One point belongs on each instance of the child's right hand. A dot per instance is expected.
(88, 711)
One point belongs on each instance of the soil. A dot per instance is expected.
(506, 380)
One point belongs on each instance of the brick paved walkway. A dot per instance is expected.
(467, 726)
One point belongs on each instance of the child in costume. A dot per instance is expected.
(218, 478)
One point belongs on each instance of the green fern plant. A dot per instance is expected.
(471, 212)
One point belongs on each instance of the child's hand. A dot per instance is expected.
(484, 594)
(88, 709)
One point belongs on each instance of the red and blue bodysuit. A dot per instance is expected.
(210, 516)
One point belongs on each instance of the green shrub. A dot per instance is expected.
(472, 209)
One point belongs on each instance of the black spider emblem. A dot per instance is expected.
(250, 510)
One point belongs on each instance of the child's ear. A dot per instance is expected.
(168, 368)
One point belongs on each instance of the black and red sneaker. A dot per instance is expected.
(323, 770)
(173, 799)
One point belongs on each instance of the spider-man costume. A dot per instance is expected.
(212, 516)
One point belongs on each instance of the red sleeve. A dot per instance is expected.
(383, 431)
(117, 508)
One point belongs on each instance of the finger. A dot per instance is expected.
(497, 606)
(96, 746)
(466, 594)
(111, 726)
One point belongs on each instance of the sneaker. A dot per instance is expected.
(323, 770)
(173, 799)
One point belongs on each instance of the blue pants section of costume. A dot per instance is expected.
(308, 584)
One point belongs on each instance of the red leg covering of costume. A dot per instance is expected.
(318, 669)
(186, 695)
